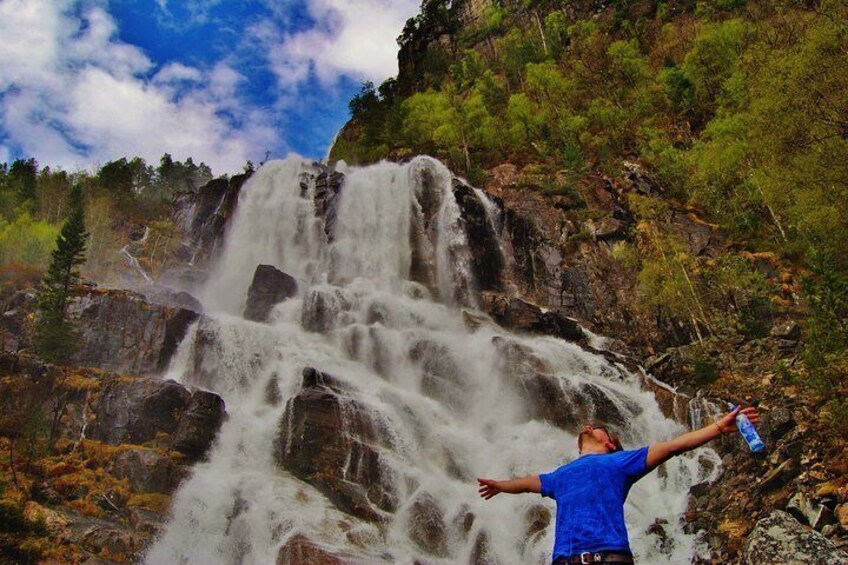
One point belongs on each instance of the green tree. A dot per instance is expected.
(54, 337)
(19, 185)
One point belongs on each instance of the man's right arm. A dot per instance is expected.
(490, 487)
(660, 452)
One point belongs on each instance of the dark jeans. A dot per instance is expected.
(619, 559)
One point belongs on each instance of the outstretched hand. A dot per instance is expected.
(727, 424)
(489, 488)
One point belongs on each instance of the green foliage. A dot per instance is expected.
(53, 335)
(704, 370)
(21, 181)
(712, 60)
(826, 345)
(26, 241)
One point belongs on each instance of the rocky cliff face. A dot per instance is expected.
(95, 456)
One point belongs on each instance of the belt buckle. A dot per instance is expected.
(586, 558)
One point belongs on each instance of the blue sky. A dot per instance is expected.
(83, 82)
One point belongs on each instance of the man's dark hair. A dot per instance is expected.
(613, 438)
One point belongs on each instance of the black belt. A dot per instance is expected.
(588, 558)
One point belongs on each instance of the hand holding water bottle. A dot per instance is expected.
(744, 421)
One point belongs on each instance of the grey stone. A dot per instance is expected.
(138, 410)
(148, 471)
(779, 538)
(121, 331)
(786, 329)
(810, 512)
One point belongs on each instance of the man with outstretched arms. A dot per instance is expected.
(591, 490)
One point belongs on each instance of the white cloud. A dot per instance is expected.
(71, 93)
(354, 38)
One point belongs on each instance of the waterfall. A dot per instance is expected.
(415, 401)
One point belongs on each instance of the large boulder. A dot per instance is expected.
(138, 411)
(148, 470)
(300, 550)
(519, 314)
(426, 525)
(120, 331)
(270, 286)
(334, 442)
(779, 538)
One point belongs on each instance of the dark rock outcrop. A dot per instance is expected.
(328, 187)
(487, 258)
(426, 525)
(779, 538)
(202, 215)
(300, 550)
(140, 410)
(15, 326)
(333, 442)
(148, 471)
(519, 314)
(556, 400)
(120, 331)
(270, 286)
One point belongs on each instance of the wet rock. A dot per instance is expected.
(556, 400)
(148, 471)
(426, 526)
(137, 410)
(328, 187)
(537, 518)
(441, 378)
(120, 331)
(270, 286)
(321, 306)
(663, 541)
(480, 553)
(202, 215)
(516, 313)
(486, 256)
(464, 520)
(779, 538)
(333, 442)
(300, 550)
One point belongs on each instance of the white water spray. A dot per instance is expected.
(453, 399)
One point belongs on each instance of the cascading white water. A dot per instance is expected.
(449, 395)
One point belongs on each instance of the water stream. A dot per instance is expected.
(384, 306)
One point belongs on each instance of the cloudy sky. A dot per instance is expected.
(83, 82)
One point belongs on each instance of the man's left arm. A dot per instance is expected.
(663, 451)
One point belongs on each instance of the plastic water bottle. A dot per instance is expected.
(749, 432)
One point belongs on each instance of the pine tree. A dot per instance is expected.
(54, 337)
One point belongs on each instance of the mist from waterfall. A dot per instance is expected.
(384, 306)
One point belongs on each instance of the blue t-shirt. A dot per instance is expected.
(590, 493)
